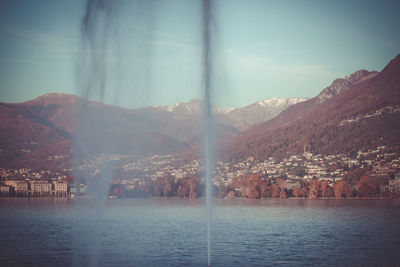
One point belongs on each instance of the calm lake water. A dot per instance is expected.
(172, 232)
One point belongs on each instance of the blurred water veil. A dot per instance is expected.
(101, 75)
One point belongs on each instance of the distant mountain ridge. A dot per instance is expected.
(239, 118)
(301, 109)
(340, 85)
(260, 111)
(36, 132)
(44, 128)
(361, 111)
(191, 108)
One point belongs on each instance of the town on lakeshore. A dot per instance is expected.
(368, 174)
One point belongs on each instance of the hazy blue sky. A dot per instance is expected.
(262, 49)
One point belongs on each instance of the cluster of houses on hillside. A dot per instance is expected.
(382, 163)
(387, 109)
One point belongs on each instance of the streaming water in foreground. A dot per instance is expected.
(101, 45)
(171, 232)
(207, 114)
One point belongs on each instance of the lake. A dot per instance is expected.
(172, 232)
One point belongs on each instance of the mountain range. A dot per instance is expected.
(239, 118)
(361, 111)
(40, 133)
(355, 112)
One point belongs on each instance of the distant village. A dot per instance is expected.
(372, 173)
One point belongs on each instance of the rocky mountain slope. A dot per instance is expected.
(260, 111)
(358, 112)
(41, 133)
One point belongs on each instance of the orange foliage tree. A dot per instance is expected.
(368, 187)
(276, 190)
(304, 192)
(326, 190)
(296, 192)
(342, 189)
(314, 189)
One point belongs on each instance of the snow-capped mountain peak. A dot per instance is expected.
(240, 118)
(279, 101)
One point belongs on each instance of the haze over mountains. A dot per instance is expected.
(358, 111)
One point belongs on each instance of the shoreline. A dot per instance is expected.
(225, 198)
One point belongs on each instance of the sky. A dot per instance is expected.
(152, 49)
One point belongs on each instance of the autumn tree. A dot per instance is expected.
(164, 186)
(156, 187)
(240, 182)
(192, 183)
(181, 191)
(368, 187)
(222, 190)
(342, 189)
(282, 194)
(187, 187)
(296, 192)
(304, 192)
(314, 189)
(253, 186)
(276, 190)
(266, 190)
(326, 190)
